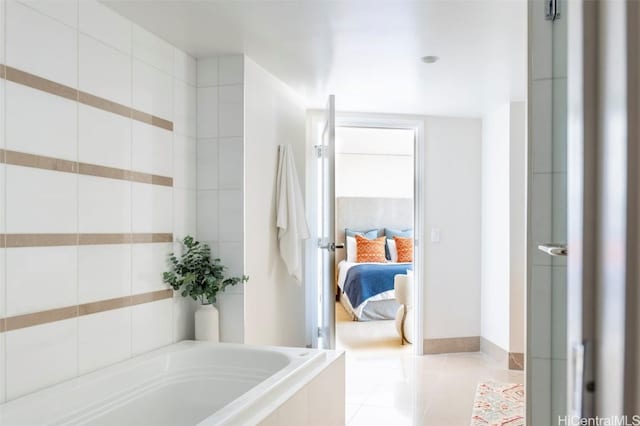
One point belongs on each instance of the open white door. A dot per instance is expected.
(324, 231)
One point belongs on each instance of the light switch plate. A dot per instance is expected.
(435, 235)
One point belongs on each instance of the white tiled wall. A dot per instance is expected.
(2, 204)
(84, 45)
(104, 138)
(547, 303)
(220, 176)
(104, 272)
(52, 284)
(56, 132)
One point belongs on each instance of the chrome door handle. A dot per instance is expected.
(553, 249)
(330, 246)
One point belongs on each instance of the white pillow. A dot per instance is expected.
(393, 250)
(352, 250)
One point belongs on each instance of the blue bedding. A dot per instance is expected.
(369, 279)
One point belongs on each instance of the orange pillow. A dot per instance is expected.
(370, 250)
(405, 249)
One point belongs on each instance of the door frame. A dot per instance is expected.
(370, 120)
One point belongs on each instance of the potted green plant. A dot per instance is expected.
(200, 277)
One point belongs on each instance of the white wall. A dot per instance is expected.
(220, 178)
(274, 303)
(518, 226)
(374, 162)
(87, 47)
(365, 175)
(495, 227)
(452, 166)
(504, 226)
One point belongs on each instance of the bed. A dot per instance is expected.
(366, 289)
(367, 213)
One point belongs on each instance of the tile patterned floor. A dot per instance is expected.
(387, 385)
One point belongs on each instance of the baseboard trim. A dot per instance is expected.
(451, 345)
(511, 360)
(494, 351)
(516, 361)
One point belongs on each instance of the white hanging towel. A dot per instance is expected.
(291, 221)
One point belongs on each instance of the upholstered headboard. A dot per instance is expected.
(365, 213)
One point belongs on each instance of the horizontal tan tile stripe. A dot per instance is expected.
(52, 240)
(103, 171)
(37, 318)
(39, 83)
(104, 305)
(152, 179)
(152, 238)
(98, 239)
(151, 119)
(52, 315)
(16, 158)
(40, 240)
(104, 104)
(39, 161)
(138, 299)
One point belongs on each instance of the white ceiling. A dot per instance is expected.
(366, 52)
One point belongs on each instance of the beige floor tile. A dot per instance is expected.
(387, 385)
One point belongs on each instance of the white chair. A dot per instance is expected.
(403, 286)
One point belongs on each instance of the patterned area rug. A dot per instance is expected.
(498, 404)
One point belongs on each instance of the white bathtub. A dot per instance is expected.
(182, 384)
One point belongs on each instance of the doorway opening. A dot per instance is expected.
(374, 206)
(368, 149)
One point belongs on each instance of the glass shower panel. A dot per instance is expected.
(559, 217)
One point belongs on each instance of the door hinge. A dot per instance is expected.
(551, 12)
(320, 150)
(323, 332)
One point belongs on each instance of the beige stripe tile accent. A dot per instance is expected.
(52, 240)
(151, 179)
(37, 318)
(103, 171)
(151, 119)
(99, 239)
(104, 305)
(40, 240)
(161, 180)
(39, 83)
(104, 104)
(49, 163)
(39, 161)
(152, 238)
(139, 299)
(52, 315)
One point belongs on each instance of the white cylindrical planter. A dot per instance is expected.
(206, 318)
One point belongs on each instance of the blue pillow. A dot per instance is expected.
(390, 233)
(371, 234)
